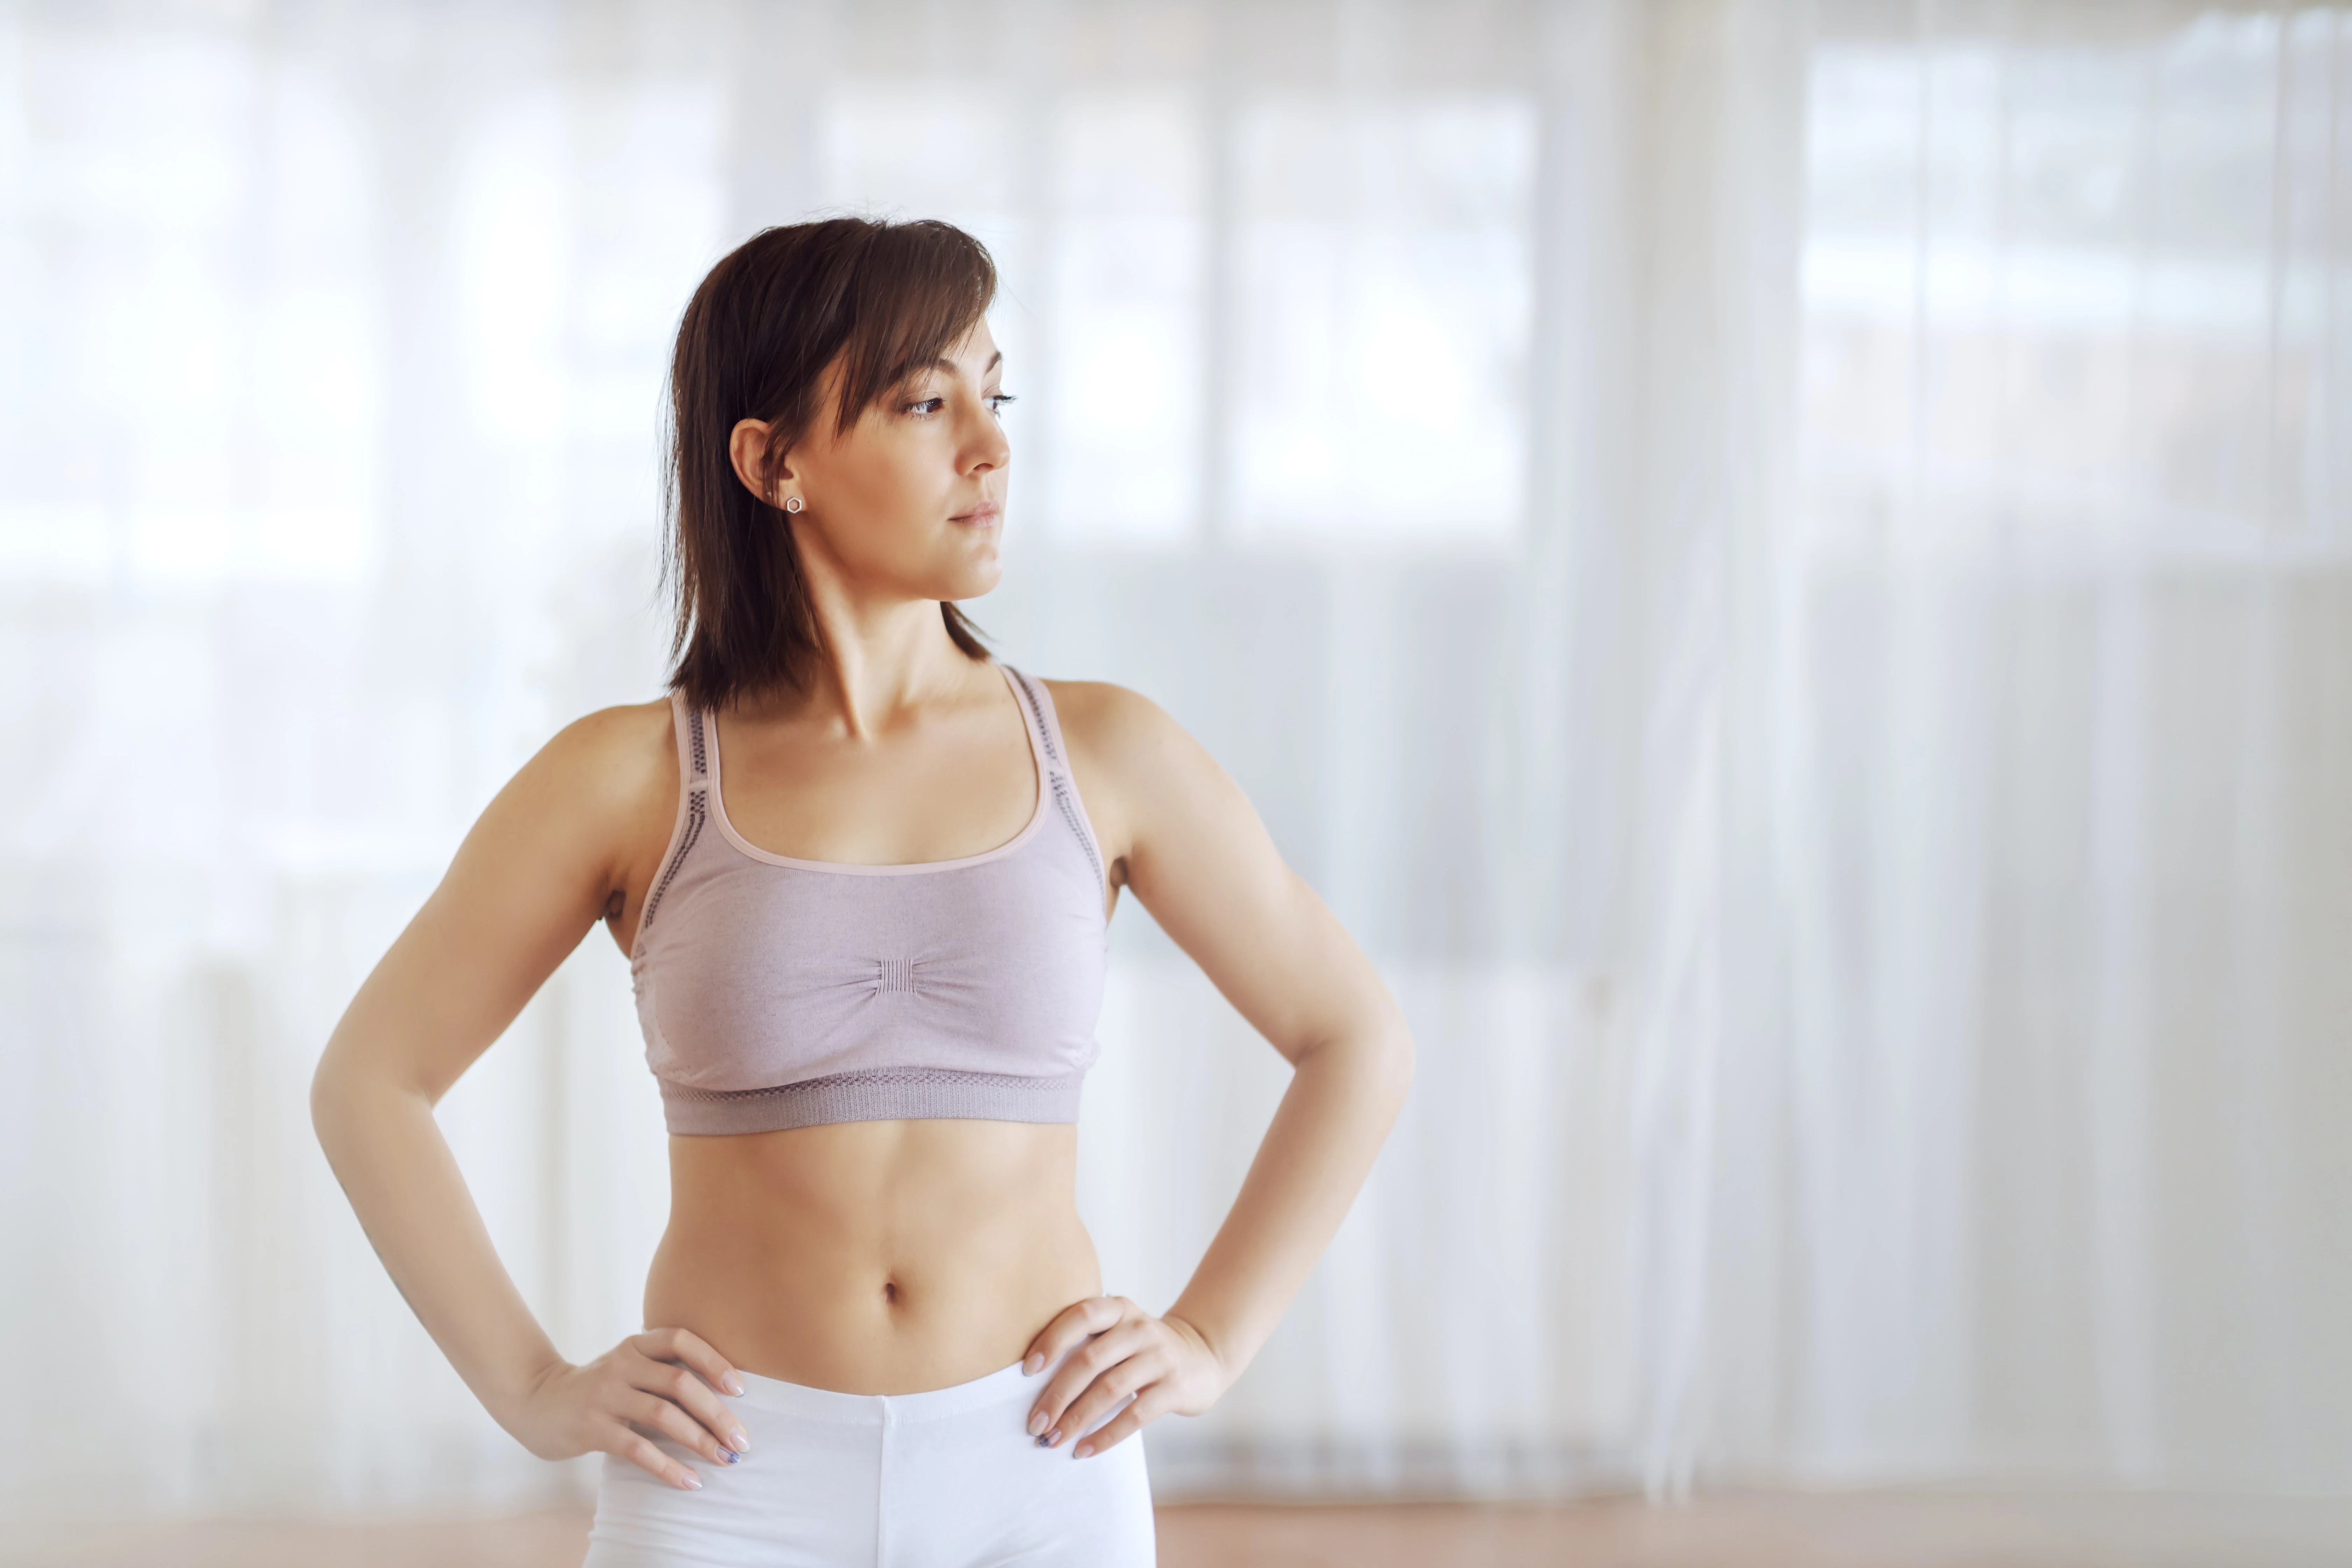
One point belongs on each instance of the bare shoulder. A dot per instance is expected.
(1142, 774)
(1124, 736)
(596, 793)
(1103, 717)
(613, 755)
(599, 763)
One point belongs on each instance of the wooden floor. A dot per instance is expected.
(1874, 1530)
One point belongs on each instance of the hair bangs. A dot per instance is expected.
(923, 287)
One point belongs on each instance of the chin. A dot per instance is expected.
(971, 583)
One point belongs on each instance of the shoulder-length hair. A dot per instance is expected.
(882, 298)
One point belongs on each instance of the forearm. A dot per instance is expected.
(387, 1151)
(1343, 1097)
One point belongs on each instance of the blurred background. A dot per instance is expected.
(1786, 569)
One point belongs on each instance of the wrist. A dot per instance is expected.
(1208, 1339)
(513, 1394)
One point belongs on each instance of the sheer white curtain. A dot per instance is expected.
(2059, 821)
(1781, 568)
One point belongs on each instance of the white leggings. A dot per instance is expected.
(949, 1478)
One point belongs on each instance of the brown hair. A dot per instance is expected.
(754, 344)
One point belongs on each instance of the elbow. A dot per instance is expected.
(355, 1091)
(326, 1100)
(1388, 1052)
(338, 1093)
(1379, 1058)
(1395, 1060)
(1364, 1050)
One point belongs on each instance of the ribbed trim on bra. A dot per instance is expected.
(879, 1094)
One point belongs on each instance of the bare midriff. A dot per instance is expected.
(873, 1257)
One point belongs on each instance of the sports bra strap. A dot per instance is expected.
(693, 755)
(1043, 729)
(693, 802)
(1046, 730)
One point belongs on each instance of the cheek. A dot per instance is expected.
(886, 510)
(900, 486)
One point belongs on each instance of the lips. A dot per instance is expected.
(986, 511)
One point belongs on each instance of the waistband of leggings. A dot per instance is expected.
(772, 1395)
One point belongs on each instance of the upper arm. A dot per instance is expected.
(1201, 859)
(537, 869)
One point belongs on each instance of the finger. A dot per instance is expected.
(1088, 1350)
(641, 1451)
(652, 1411)
(1060, 1398)
(1067, 1328)
(1094, 1399)
(1084, 1363)
(1105, 1395)
(717, 1428)
(1151, 1405)
(683, 1344)
(1071, 1326)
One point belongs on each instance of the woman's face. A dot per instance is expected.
(909, 503)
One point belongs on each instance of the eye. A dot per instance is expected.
(925, 408)
(997, 400)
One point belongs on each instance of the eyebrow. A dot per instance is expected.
(949, 365)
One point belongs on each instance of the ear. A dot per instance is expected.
(747, 450)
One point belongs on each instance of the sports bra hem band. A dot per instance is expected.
(880, 1094)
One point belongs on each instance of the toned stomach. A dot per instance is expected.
(873, 1257)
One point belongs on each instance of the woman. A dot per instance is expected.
(864, 874)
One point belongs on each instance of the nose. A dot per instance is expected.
(988, 448)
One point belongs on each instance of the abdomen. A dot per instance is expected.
(873, 1257)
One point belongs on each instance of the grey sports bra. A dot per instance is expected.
(775, 991)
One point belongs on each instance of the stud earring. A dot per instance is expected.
(791, 503)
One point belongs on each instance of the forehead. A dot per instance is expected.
(972, 352)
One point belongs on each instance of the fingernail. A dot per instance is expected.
(734, 1383)
(1036, 1423)
(693, 1481)
(742, 1444)
(727, 1454)
(1050, 1439)
(1031, 1362)
(1082, 1450)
